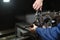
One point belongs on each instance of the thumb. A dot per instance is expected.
(41, 8)
(34, 26)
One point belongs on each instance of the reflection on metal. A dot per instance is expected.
(41, 16)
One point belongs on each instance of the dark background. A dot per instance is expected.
(8, 11)
(7, 20)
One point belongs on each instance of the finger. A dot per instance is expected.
(33, 24)
(31, 28)
(40, 8)
(35, 5)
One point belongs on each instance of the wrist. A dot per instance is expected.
(39, 0)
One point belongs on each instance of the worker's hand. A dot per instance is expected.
(38, 4)
(32, 29)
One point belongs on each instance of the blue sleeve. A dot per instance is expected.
(58, 28)
(38, 30)
(58, 25)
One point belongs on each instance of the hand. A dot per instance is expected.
(38, 4)
(34, 27)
